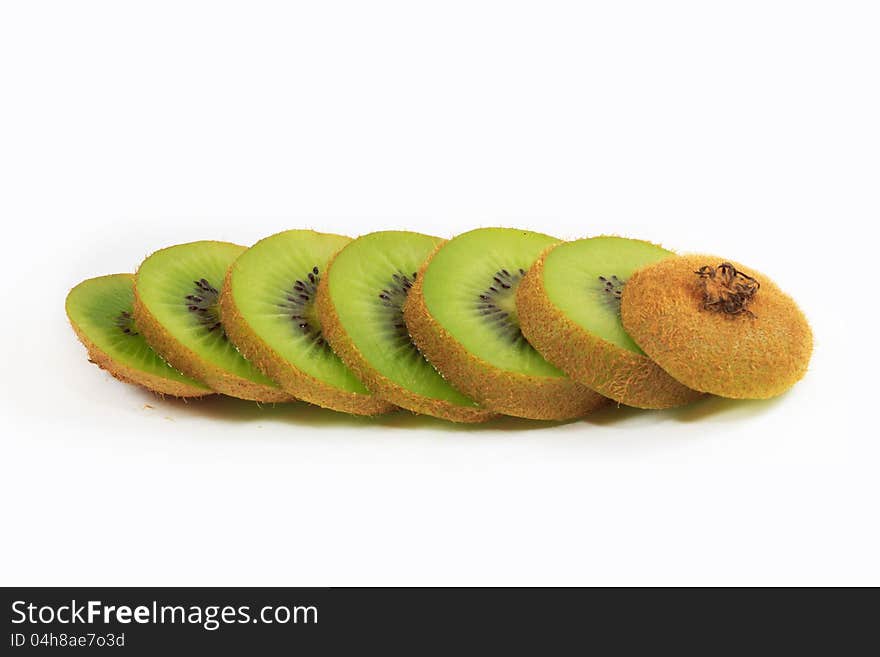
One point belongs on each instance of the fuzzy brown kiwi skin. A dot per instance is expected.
(193, 365)
(153, 383)
(380, 385)
(508, 393)
(620, 374)
(293, 380)
(757, 354)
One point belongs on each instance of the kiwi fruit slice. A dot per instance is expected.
(268, 310)
(569, 310)
(360, 306)
(717, 326)
(461, 313)
(176, 308)
(101, 314)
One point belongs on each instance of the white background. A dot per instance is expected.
(746, 129)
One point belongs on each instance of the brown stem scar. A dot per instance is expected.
(727, 290)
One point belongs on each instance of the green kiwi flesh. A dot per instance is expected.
(462, 315)
(176, 308)
(569, 309)
(360, 302)
(268, 310)
(100, 311)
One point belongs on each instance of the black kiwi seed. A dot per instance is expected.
(611, 289)
(125, 323)
(299, 303)
(499, 295)
(202, 303)
(391, 298)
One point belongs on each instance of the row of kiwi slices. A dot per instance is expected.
(494, 321)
